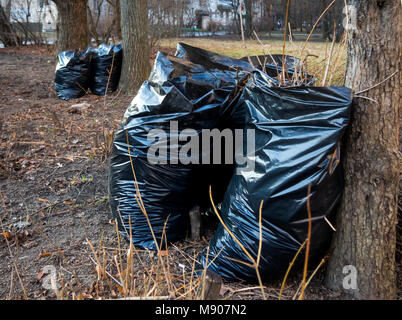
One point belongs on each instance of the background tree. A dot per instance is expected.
(134, 28)
(366, 223)
(72, 26)
(236, 16)
(7, 33)
(166, 19)
(27, 30)
(104, 20)
(248, 4)
(334, 16)
(117, 16)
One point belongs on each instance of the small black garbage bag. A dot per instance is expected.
(148, 183)
(297, 135)
(73, 74)
(106, 68)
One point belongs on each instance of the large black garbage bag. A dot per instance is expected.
(297, 135)
(73, 74)
(189, 95)
(106, 68)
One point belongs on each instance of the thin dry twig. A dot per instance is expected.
(315, 25)
(330, 224)
(324, 80)
(304, 285)
(289, 268)
(378, 84)
(311, 277)
(284, 41)
(254, 262)
(242, 36)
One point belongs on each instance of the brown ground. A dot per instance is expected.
(53, 194)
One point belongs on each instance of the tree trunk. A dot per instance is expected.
(134, 27)
(249, 18)
(8, 10)
(326, 22)
(72, 26)
(7, 34)
(236, 16)
(366, 225)
(117, 12)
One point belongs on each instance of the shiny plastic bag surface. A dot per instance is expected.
(297, 136)
(106, 68)
(182, 93)
(73, 74)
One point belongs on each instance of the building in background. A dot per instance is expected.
(224, 15)
(204, 13)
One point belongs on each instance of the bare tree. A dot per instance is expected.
(236, 15)
(248, 4)
(363, 260)
(7, 34)
(94, 17)
(8, 9)
(104, 20)
(332, 18)
(28, 31)
(166, 18)
(115, 4)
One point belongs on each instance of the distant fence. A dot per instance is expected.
(31, 26)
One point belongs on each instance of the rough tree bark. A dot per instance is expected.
(72, 26)
(134, 27)
(366, 224)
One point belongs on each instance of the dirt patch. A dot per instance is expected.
(54, 201)
(53, 174)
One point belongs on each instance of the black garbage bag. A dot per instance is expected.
(213, 61)
(149, 187)
(297, 135)
(231, 74)
(73, 74)
(106, 68)
(272, 65)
